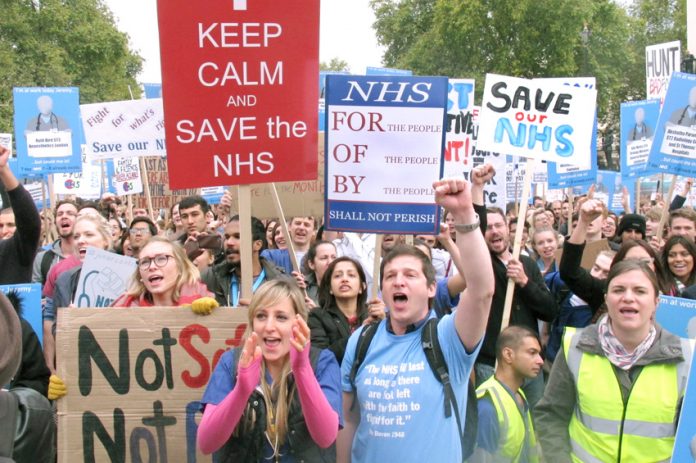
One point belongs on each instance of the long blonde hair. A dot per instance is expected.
(187, 273)
(270, 294)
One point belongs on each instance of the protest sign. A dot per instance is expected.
(213, 194)
(537, 119)
(461, 154)
(302, 198)
(378, 71)
(322, 96)
(86, 184)
(135, 378)
(638, 124)
(674, 147)
(239, 88)
(48, 132)
(163, 197)
(127, 178)
(609, 189)
(30, 298)
(121, 129)
(661, 61)
(677, 315)
(6, 142)
(36, 190)
(685, 440)
(104, 277)
(153, 90)
(384, 149)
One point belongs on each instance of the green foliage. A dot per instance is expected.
(64, 43)
(531, 38)
(336, 64)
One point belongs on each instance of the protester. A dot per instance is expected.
(525, 250)
(165, 277)
(7, 223)
(545, 244)
(117, 229)
(631, 227)
(532, 299)
(505, 429)
(224, 280)
(278, 241)
(276, 396)
(301, 231)
(616, 387)
(314, 264)
(141, 230)
(408, 281)
(17, 253)
(609, 227)
(678, 259)
(683, 222)
(270, 228)
(343, 306)
(194, 213)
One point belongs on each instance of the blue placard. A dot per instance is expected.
(377, 71)
(677, 315)
(609, 188)
(322, 92)
(638, 124)
(393, 127)
(48, 130)
(674, 147)
(30, 295)
(572, 176)
(153, 90)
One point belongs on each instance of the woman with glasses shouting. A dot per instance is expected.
(166, 277)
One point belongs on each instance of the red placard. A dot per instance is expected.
(239, 82)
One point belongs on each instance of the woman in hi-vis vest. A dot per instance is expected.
(616, 387)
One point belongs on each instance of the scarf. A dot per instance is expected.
(615, 351)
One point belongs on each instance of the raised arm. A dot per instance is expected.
(475, 303)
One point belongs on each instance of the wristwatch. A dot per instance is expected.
(467, 227)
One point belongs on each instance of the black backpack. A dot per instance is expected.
(46, 262)
(436, 360)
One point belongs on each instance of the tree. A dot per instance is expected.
(527, 38)
(64, 43)
(336, 64)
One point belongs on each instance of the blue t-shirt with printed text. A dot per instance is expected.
(401, 402)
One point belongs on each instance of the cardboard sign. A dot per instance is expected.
(163, 197)
(135, 378)
(48, 132)
(30, 295)
(122, 129)
(239, 89)
(673, 150)
(609, 189)
(303, 198)
(85, 184)
(638, 125)
(104, 277)
(661, 61)
(384, 149)
(6, 142)
(537, 119)
(127, 179)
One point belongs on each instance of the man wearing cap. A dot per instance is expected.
(632, 227)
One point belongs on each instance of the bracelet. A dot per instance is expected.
(468, 227)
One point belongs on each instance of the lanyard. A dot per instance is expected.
(234, 286)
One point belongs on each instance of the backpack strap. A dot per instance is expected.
(366, 334)
(46, 261)
(436, 360)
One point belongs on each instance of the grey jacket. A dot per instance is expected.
(554, 410)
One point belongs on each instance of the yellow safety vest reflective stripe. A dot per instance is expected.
(513, 427)
(602, 428)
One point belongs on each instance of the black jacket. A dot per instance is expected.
(219, 278)
(33, 372)
(579, 280)
(530, 303)
(330, 329)
(17, 253)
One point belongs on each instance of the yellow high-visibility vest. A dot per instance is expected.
(604, 429)
(514, 428)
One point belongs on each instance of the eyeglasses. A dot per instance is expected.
(139, 231)
(160, 261)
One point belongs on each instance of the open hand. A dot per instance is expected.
(251, 351)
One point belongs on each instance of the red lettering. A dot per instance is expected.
(185, 338)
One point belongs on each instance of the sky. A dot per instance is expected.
(346, 33)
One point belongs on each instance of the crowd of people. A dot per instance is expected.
(341, 364)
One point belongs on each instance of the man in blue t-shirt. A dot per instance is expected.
(398, 414)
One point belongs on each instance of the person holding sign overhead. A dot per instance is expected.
(601, 402)
(277, 398)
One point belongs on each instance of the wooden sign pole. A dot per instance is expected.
(665, 210)
(146, 187)
(284, 226)
(244, 195)
(571, 208)
(376, 266)
(526, 187)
